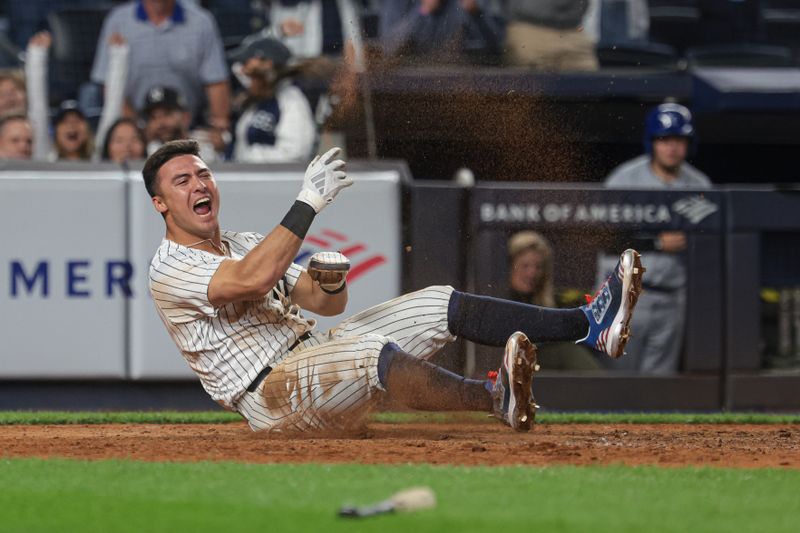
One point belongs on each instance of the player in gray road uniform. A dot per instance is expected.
(660, 316)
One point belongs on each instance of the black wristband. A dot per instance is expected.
(335, 291)
(299, 218)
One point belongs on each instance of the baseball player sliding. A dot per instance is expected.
(233, 303)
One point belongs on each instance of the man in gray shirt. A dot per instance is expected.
(174, 44)
(659, 322)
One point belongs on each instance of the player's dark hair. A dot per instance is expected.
(168, 151)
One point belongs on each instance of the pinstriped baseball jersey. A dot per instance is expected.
(228, 346)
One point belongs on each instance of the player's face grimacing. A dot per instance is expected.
(188, 198)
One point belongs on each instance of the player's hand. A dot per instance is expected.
(672, 241)
(324, 178)
(329, 269)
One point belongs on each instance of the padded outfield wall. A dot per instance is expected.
(78, 328)
(77, 243)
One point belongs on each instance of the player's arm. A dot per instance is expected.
(310, 296)
(256, 273)
(323, 288)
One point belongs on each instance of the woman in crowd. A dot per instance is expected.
(531, 282)
(73, 139)
(73, 136)
(124, 142)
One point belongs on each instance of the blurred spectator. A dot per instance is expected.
(36, 65)
(27, 17)
(16, 137)
(617, 21)
(658, 323)
(546, 35)
(72, 132)
(276, 123)
(13, 100)
(531, 282)
(73, 137)
(167, 118)
(124, 142)
(443, 30)
(114, 97)
(172, 43)
(313, 28)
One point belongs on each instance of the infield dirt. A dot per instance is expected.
(469, 443)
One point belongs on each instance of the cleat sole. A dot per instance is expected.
(521, 414)
(632, 288)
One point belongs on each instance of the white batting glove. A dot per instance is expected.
(324, 178)
(330, 270)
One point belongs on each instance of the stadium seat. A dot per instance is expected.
(75, 33)
(730, 21)
(636, 54)
(740, 55)
(782, 22)
(675, 23)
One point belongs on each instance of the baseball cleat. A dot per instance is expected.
(610, 310)
(512, 392)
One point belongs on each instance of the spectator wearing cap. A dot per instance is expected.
(16, 137)
(276, 123)
(172, 43)
(167, 118)
(73, 136)
(530, 281)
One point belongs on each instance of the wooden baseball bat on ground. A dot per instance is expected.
(413, 499)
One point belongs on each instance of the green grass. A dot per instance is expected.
(62, 495)
(220, 417)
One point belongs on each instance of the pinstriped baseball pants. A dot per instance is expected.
(330, 381)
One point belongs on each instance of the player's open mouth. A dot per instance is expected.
(202, 206)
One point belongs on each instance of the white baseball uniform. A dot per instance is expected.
(318, 380)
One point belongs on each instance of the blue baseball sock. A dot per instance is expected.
(491, 321)
(421, 385)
